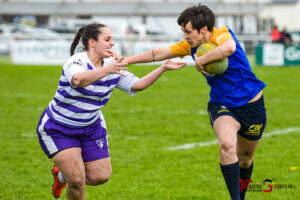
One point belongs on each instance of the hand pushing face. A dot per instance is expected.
(104, 43)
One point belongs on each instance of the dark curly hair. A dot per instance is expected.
(199, 16)
(87, 32)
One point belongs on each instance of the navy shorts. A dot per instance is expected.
(252, 117)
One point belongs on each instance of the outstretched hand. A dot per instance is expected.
(117, 64)
(113, 54)
(172, 65)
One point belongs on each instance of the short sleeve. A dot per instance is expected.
(181, 49)
(221, 34)
(72, 67)
(126, 82)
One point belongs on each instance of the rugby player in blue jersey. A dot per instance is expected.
(72, 130)
(236, 106)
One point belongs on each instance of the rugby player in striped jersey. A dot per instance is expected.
(72, 130)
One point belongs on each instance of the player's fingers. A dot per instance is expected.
(113, 54)
(201, 68)
(206, 73)
(196, 59)
(121, 64)
(121, 68)
(113, 60)
(109, 51)
(120, 73)
(120, 59)
(181, 65)
(168, 61)
(195, 56)
(178, 65)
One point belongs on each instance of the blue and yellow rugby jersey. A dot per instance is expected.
(235, 87)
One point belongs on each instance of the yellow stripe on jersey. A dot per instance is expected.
(220, 35)
(183, 48)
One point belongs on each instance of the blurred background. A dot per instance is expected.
(40, 31)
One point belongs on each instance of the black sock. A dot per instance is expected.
(244, 175)
(231, 174)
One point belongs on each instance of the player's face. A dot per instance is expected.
(104, 42)
(193, 36)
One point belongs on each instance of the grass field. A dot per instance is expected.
(141, 130)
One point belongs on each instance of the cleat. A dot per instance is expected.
(57, 187)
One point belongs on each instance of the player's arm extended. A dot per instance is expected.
(83, 79)
(150, 78)
(226, 49)
(152, 55)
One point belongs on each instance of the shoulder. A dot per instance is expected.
(220, 35)
(76, 59)
(222, 29)
(78, 56)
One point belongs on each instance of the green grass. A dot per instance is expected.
(171, 112)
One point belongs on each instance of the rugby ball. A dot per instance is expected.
(216, 67)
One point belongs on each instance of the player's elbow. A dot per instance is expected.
(231, 49)
(137, 87)
(77, 81)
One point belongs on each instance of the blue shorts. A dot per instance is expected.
(252, 117)
(54, 137)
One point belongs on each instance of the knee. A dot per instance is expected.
(227, 147)
(98, 178)
(76, 182)
(245, 163)
(245, 158)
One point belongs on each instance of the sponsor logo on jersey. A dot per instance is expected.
(76, 63)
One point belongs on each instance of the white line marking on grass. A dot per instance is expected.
(29, 134)
(202, 112)
(132, 137)
(212, 142)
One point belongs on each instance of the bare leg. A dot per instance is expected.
(97, 172)
(226, 128)
(70, 163)
(245, 152)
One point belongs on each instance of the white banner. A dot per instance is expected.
(43, 52)
(273, 54)
(40, 52)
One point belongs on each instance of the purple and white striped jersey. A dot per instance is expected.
(79, 107)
